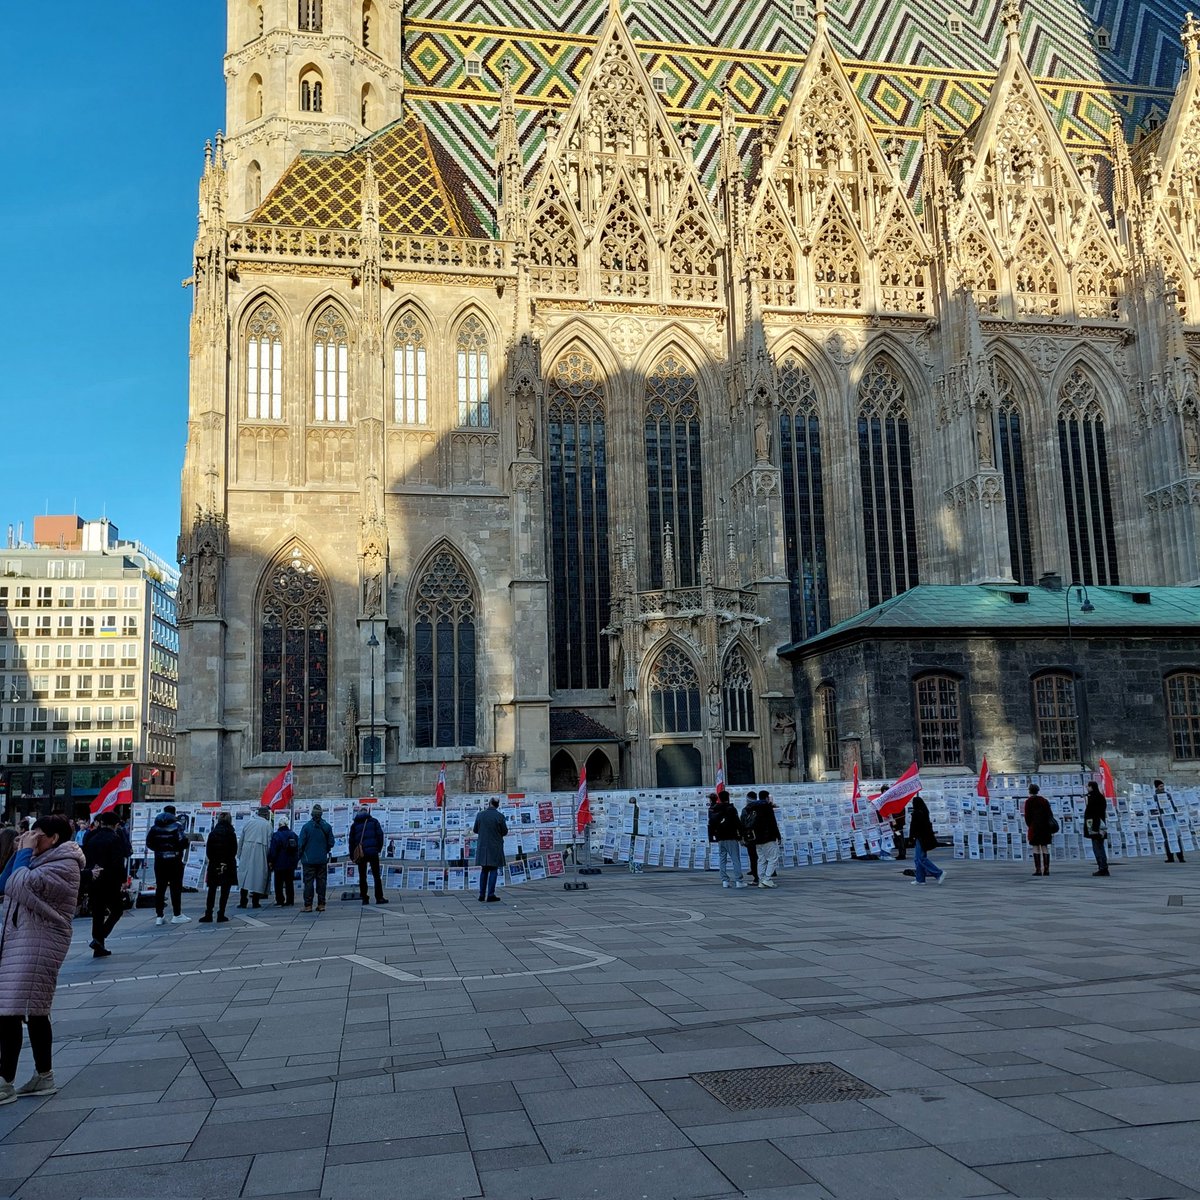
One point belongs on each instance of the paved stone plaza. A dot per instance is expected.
(1026, 1037)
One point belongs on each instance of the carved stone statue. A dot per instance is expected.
(785, 724)
(209, 573)
(1191, 441)
(983, 434)
(714, 711)
(631, 717)
(373, 595)
(762, 438)
(350, 737)
(525, 426)
(183, 597)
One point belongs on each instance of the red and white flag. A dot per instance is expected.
(720, 786)
(896, 798)
(1107, 784)
(583, 809)
(439, 792)
(277, 795)
(118, 790)
(855, 795)
(982, 786)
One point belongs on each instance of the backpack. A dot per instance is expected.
(748, 823)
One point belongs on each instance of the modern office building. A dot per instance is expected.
(89, 666)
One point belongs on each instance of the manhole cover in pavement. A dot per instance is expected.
(779, 1087)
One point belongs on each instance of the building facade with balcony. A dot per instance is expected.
(89, 667)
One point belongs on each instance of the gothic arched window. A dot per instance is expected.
(264, 366)
(1183, 712)
(368, 15)
(737, 693)
(693, 261)
(623, 251)
(886, 477)
(837, 279)
(1056, 717)
(803, 500)
(253, 186)
(256, 97)
(474, 380)
(309, 19)
(977, 265)
(939, 721)
(1012, 465)
(331, 368)
(1087, 489)
(444, 655)
(1097, 284)
(553, 254)
(577, 455)
(674, 693)
(410, 374)
(674, 476)
(294, 663)
(311, 91)
(1035, 278)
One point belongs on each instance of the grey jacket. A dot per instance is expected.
(492, 829)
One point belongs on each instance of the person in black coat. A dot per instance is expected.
(1095, 826)
(760, 829)
(1039, 820)
(366, 845)
(105, 873)
(749, 840)
(221, 851)
(490, 829)
(282, 856)
(725, 828)
(920, 829)
(167, 840)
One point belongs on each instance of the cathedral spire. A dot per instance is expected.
(511, 201)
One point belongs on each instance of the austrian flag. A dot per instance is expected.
(118, 790)
(896, 798)
(583, 809)
(439, 792)
(277, 795)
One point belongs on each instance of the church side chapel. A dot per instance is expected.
(551, 391)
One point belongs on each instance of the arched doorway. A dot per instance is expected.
(564, 775)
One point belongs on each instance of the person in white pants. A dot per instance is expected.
(760, 826)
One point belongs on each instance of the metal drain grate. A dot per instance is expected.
(783, 1087)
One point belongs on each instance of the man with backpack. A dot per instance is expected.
(760, 829)
(282, 856)
(167, 841)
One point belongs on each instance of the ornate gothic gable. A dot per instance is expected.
(617, 177)
(827, 177)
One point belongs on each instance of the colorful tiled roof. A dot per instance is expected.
(421, 188)
(1000, 607)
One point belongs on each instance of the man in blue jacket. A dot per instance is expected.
(366, 845)
(316, 845)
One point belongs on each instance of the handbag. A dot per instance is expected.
(1054, 826)
(356, 854)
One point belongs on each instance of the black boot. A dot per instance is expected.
(245, 899)
(254, 902)
(207, 918)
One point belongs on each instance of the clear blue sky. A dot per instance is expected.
(107, 109)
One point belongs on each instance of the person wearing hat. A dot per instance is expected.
(282, 856)
(252, 856)
(366, 845)
(316, 845)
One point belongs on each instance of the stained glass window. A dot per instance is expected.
(578, 485)
(444, 655)
(1012, 464)
(295, 656)
(939, 721)
(1087, 489)
(674, 693)
(674, 476)
(738, 693)
(886, 476)
(803, 500)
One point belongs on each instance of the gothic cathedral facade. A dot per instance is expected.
(535, 468)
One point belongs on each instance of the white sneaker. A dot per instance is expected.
(180, 920)
(39, 1085)
(8, 1093)
(766, 883)
(160, 920)
(916, 882)
(739, 884)
(724, 882)
(942, 877)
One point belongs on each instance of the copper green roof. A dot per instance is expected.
(1008, 608)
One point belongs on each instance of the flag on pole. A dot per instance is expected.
(1107, 784)
(118, 790)
(896, 798)
(439, 792)
(981, 788)
(583, 809)
(855, 795)
(720, 787)
(277, 795)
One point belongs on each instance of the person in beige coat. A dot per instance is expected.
(253, 842)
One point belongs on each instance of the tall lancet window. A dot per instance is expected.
(444, 655)
(264, 366)
(331, 368)
(886, 476)
(674, 479)
(472, 356)
(1016, 492)
(310, 16)
(294, 662)
(578, 485)
(803, 500)
(1087, 488)
(674, 693)
(737, 691)
(410, 375)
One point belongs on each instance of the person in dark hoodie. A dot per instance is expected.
(221, 850)
(167, 841)
(282, 856)
(366, 845)
(920, 828)
(104, 871)
(725, 828)
(750, 841)
(761, 828)
(1095, 827)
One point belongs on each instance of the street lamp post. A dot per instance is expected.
(1079, 694)
(373, 644)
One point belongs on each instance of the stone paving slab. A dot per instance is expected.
(1024, 1048)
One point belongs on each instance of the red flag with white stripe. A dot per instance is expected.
(896, 798)
(720, 787)
(277, 795)
(118, 790)
(982, 786)
(439, 792)
(1107, 784)
(583, 807)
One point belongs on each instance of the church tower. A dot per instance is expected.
(304, 75)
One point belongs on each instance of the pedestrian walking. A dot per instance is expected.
(167, 841)
(252, 857)
(35, 934)
(366, 845)
(920, 828)
(1166, 802)
(221, 851)
(283, 854)
(725, 828)
(1095, 827)
(1039, 820)
(490, 829)
(760, 827)
(315, 846)
(748, 840)
(105, 874)
(899, 838)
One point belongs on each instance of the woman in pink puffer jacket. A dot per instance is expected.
(40, 896)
